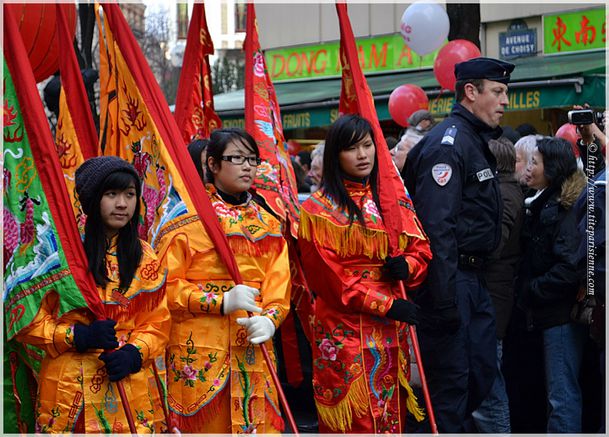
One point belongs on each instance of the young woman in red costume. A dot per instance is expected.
(360, 355)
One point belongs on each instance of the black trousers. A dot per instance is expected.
(461, 367)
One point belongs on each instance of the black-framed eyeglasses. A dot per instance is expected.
(239, 160)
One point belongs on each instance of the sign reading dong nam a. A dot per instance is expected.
(381, 53)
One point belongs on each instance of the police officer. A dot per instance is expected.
(451, 176)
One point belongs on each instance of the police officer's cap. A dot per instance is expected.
(484, 68)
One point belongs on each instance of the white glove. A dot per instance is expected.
(259, 328)
(240, 297)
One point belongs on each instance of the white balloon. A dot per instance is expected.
(424, 26)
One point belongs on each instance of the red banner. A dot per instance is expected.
(194, 107)
(275, 179)
(356, 98)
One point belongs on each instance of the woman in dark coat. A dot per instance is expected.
(548, 280)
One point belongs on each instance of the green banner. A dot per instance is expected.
(376, 54)
(574, 31)
(521, 99)
(34, 261)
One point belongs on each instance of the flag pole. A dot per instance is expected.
(417, 355)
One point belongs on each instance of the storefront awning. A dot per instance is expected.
(537, 82)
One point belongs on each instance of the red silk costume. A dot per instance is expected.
(360, 357)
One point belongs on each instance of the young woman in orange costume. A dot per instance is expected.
(360, 356)
(218, 381)
(76, 392)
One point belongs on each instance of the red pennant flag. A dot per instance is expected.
(356, 98)
(275, 179)
(194, 107)
(143, 101)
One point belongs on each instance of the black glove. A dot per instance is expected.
(404, 311)
(122, 362)
(396, 267)
(98, 335)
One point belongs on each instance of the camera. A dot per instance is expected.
(585, 116)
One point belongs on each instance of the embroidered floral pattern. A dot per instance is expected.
(188, 373)
(272, 312)
(69, 335)
(224, 213)
(143, 420)
(211, 293)
(370, 209)
(328, 349)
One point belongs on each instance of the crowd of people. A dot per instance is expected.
(494, 253)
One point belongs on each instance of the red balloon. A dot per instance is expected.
(568, 132)
(452, 53)
(37, 26)
(404, 101)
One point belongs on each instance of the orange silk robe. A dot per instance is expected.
(74, 387)
(217, 381)
(360, 357)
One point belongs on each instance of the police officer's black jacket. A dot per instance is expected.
(451, 177)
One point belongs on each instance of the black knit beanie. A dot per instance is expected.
(92, 173)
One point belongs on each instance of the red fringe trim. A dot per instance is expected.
(196, 423)
(271, 414)
(269, 243)
(143, 302)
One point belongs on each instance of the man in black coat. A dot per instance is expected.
(450, 175)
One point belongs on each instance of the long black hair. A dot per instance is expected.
(559, 160)
(346, 131)
(129, 246)
(220, 139)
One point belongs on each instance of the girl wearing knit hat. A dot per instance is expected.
(76, 393)
(218, 381)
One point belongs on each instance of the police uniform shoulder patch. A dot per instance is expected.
(449, 136)
(441, 173)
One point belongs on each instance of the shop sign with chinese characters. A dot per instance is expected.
(575, 31)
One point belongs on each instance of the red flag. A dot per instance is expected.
(45, 157)
(356, 98)
(194, 107)
(156, 105)
(75, 136)
(275, 179)
(72, 83)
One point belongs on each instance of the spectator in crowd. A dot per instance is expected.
(591, 218)
(525, 129)
(304, 159)
(547, 283)
(450, 175)
(300, 175)
(493, 415)
(360, 350)
(407, 141)
(510, 134)
(85, 356)
(218, 382)
(422, 121)
(391, 142)
(198, 154)
(315, 174)
(525, 147)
